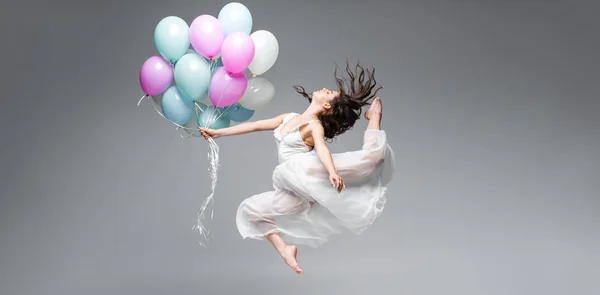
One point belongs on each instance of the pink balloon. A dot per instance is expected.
(156, 75)
(207, 35)
(237, 52)
(227, 88)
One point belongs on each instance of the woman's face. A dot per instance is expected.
(324, 96)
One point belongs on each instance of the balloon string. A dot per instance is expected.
(200, 226)
(229, 110)
(140, 101)
(203, 222)
(213, 158)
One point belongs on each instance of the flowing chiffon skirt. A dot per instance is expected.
(305, 209)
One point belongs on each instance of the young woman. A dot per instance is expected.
(317, 194)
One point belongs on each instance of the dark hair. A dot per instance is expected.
(347, 108)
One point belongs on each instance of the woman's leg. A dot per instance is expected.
(287, 252)
(257, 215)
(374, 115)
(374, 138)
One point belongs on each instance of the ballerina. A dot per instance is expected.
(317, 194)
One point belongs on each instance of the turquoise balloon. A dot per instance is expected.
(192, 76)
(175, 107)
(172, 38)
(207, 119)
(240, 113)
(235, 17)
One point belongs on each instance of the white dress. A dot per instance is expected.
(303, 207)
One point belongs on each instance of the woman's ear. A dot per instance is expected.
(326, 106)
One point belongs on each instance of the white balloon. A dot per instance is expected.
(266, 50)
(259, 93)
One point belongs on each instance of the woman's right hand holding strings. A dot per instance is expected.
(209, 133)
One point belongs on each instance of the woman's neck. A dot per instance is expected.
(312, 111)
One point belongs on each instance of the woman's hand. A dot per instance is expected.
(209, 133)
(337, 182)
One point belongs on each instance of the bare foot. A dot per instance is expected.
(289, 256)
(375, 108)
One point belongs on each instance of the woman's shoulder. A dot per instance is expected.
(282, 118)
(315, 125)
(287, 116)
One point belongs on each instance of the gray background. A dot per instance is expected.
(491, 107)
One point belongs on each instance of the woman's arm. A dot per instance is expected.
(325, 157)
(260, 125)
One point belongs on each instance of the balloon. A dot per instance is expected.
(176, 108)
(156, 75)
(237, 52)
(259, 93)
(266, 52)
(192, 76)
(235, 17)
(240, 114)
(213, 118)
(227, 88)
(172, 38)
(206, 35)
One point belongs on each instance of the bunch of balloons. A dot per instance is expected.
(200, 78)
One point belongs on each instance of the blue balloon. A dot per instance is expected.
(208, 118)
(240, 113)
(235, 17)
(192, 76)
(172, 38)
(175, 107)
